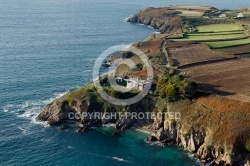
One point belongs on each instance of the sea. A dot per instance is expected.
(48, 48)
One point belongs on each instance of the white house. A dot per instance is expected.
(135, 83)
(240, 15)
(223, 15)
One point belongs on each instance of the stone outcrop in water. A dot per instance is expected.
(55, 112)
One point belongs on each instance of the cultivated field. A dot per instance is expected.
(230, 43)
(189, 13)
(194, 53)
(215, 33)
(229, 78)
(210, 36)
(186, 7)
(236, 50)
(219, 28)
(245, 20)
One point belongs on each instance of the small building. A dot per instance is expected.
(223, 15)
(119, 79)
(135, 83)
(240, 15)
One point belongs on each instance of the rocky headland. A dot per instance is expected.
(212, 126)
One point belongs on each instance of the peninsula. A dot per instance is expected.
(201, 68)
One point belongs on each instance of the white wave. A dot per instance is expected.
(109, 125)
(5, 110)
(145, 131)
(70, 147)
(126, 19)
(56, 96)
(156, 32)
(150, 27)
(24, 131)
(31, 109)
(120, 159)
(191, 155)
(7, 107)
(46, 140)
(30, 112)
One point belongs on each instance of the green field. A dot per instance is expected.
(211, 37)
(215, 33)
(235, 13)
(246, 13)
(219, 28)
(230, 43)
(188, 13)
(246, 55)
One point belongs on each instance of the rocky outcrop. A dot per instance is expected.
(55, 112)
(163, 19)
(202, 139)
(201, 130)
(151, 138)
(124, 122)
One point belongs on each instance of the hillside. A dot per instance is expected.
(199, 71)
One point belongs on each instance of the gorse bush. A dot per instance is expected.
(175, 88)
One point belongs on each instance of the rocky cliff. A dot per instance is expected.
(216, 135)
(164, 19)
(215, 129)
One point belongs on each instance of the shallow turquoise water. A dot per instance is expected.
(47, 48)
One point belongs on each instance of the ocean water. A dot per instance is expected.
(47, 48)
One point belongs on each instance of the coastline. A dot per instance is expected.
(189, 133)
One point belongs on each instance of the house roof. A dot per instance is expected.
(240, 15)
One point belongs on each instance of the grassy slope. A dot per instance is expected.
(219, 28)
(215, 33)
(221, 44)
(190, 13)
(209, 37)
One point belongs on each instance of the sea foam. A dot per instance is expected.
(31, 109)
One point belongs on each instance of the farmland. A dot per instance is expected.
(230, 43)
(236, 50)
(194, 53)
(219, 28)
(223, 78)
(210, 36)
(215, 33)
(189, 13)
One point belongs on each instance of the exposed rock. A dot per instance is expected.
(163, 19)
(160, 135)
(124, 123)
(55, 112)
(82, 128)
(158, 122)
(106, 118)
(62, 127)
(151, 138)
(170, 129)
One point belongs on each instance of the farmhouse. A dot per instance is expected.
(135, 83)
(240, 15)
(223, 15)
